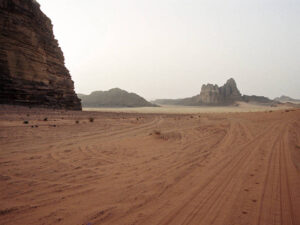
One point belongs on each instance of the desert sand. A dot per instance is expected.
(120, 168)
(176, 109)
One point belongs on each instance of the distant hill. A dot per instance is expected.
(257, 99)
(213, 95)
(115, 97)
(285, 99)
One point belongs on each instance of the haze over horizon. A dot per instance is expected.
(169, 48)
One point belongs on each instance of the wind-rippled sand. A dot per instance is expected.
(129, 168)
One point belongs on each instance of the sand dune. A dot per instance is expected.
(128, 168)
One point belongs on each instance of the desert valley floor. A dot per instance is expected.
(149, 169)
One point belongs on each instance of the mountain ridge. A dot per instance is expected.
(114, 97)
(284, 99)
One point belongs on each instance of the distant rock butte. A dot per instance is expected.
(115, 97)
(213, 95)
(32, 70)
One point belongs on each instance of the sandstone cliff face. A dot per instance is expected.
(210, 94)
(32, 70)
(214, 95)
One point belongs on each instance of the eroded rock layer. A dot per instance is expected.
(32, 69)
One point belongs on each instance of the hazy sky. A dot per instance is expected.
(169, 48)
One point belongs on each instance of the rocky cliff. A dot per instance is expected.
(224, 95)
(32, 70)
(115, 97)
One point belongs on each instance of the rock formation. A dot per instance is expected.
(32, 70)
(113, 98)
(285, 99)
(214, 95)
(210, 95)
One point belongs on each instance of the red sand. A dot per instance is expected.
(125, 169)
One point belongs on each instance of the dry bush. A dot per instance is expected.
(167, 135)
(25, 122)
(91, 120)
(170, 135)
(157, 132)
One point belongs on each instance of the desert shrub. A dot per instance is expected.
(167, 135)
(157, 132)
(77, 121)
(91, 119)
(45, 119)
(25, 122)
(170, 136)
